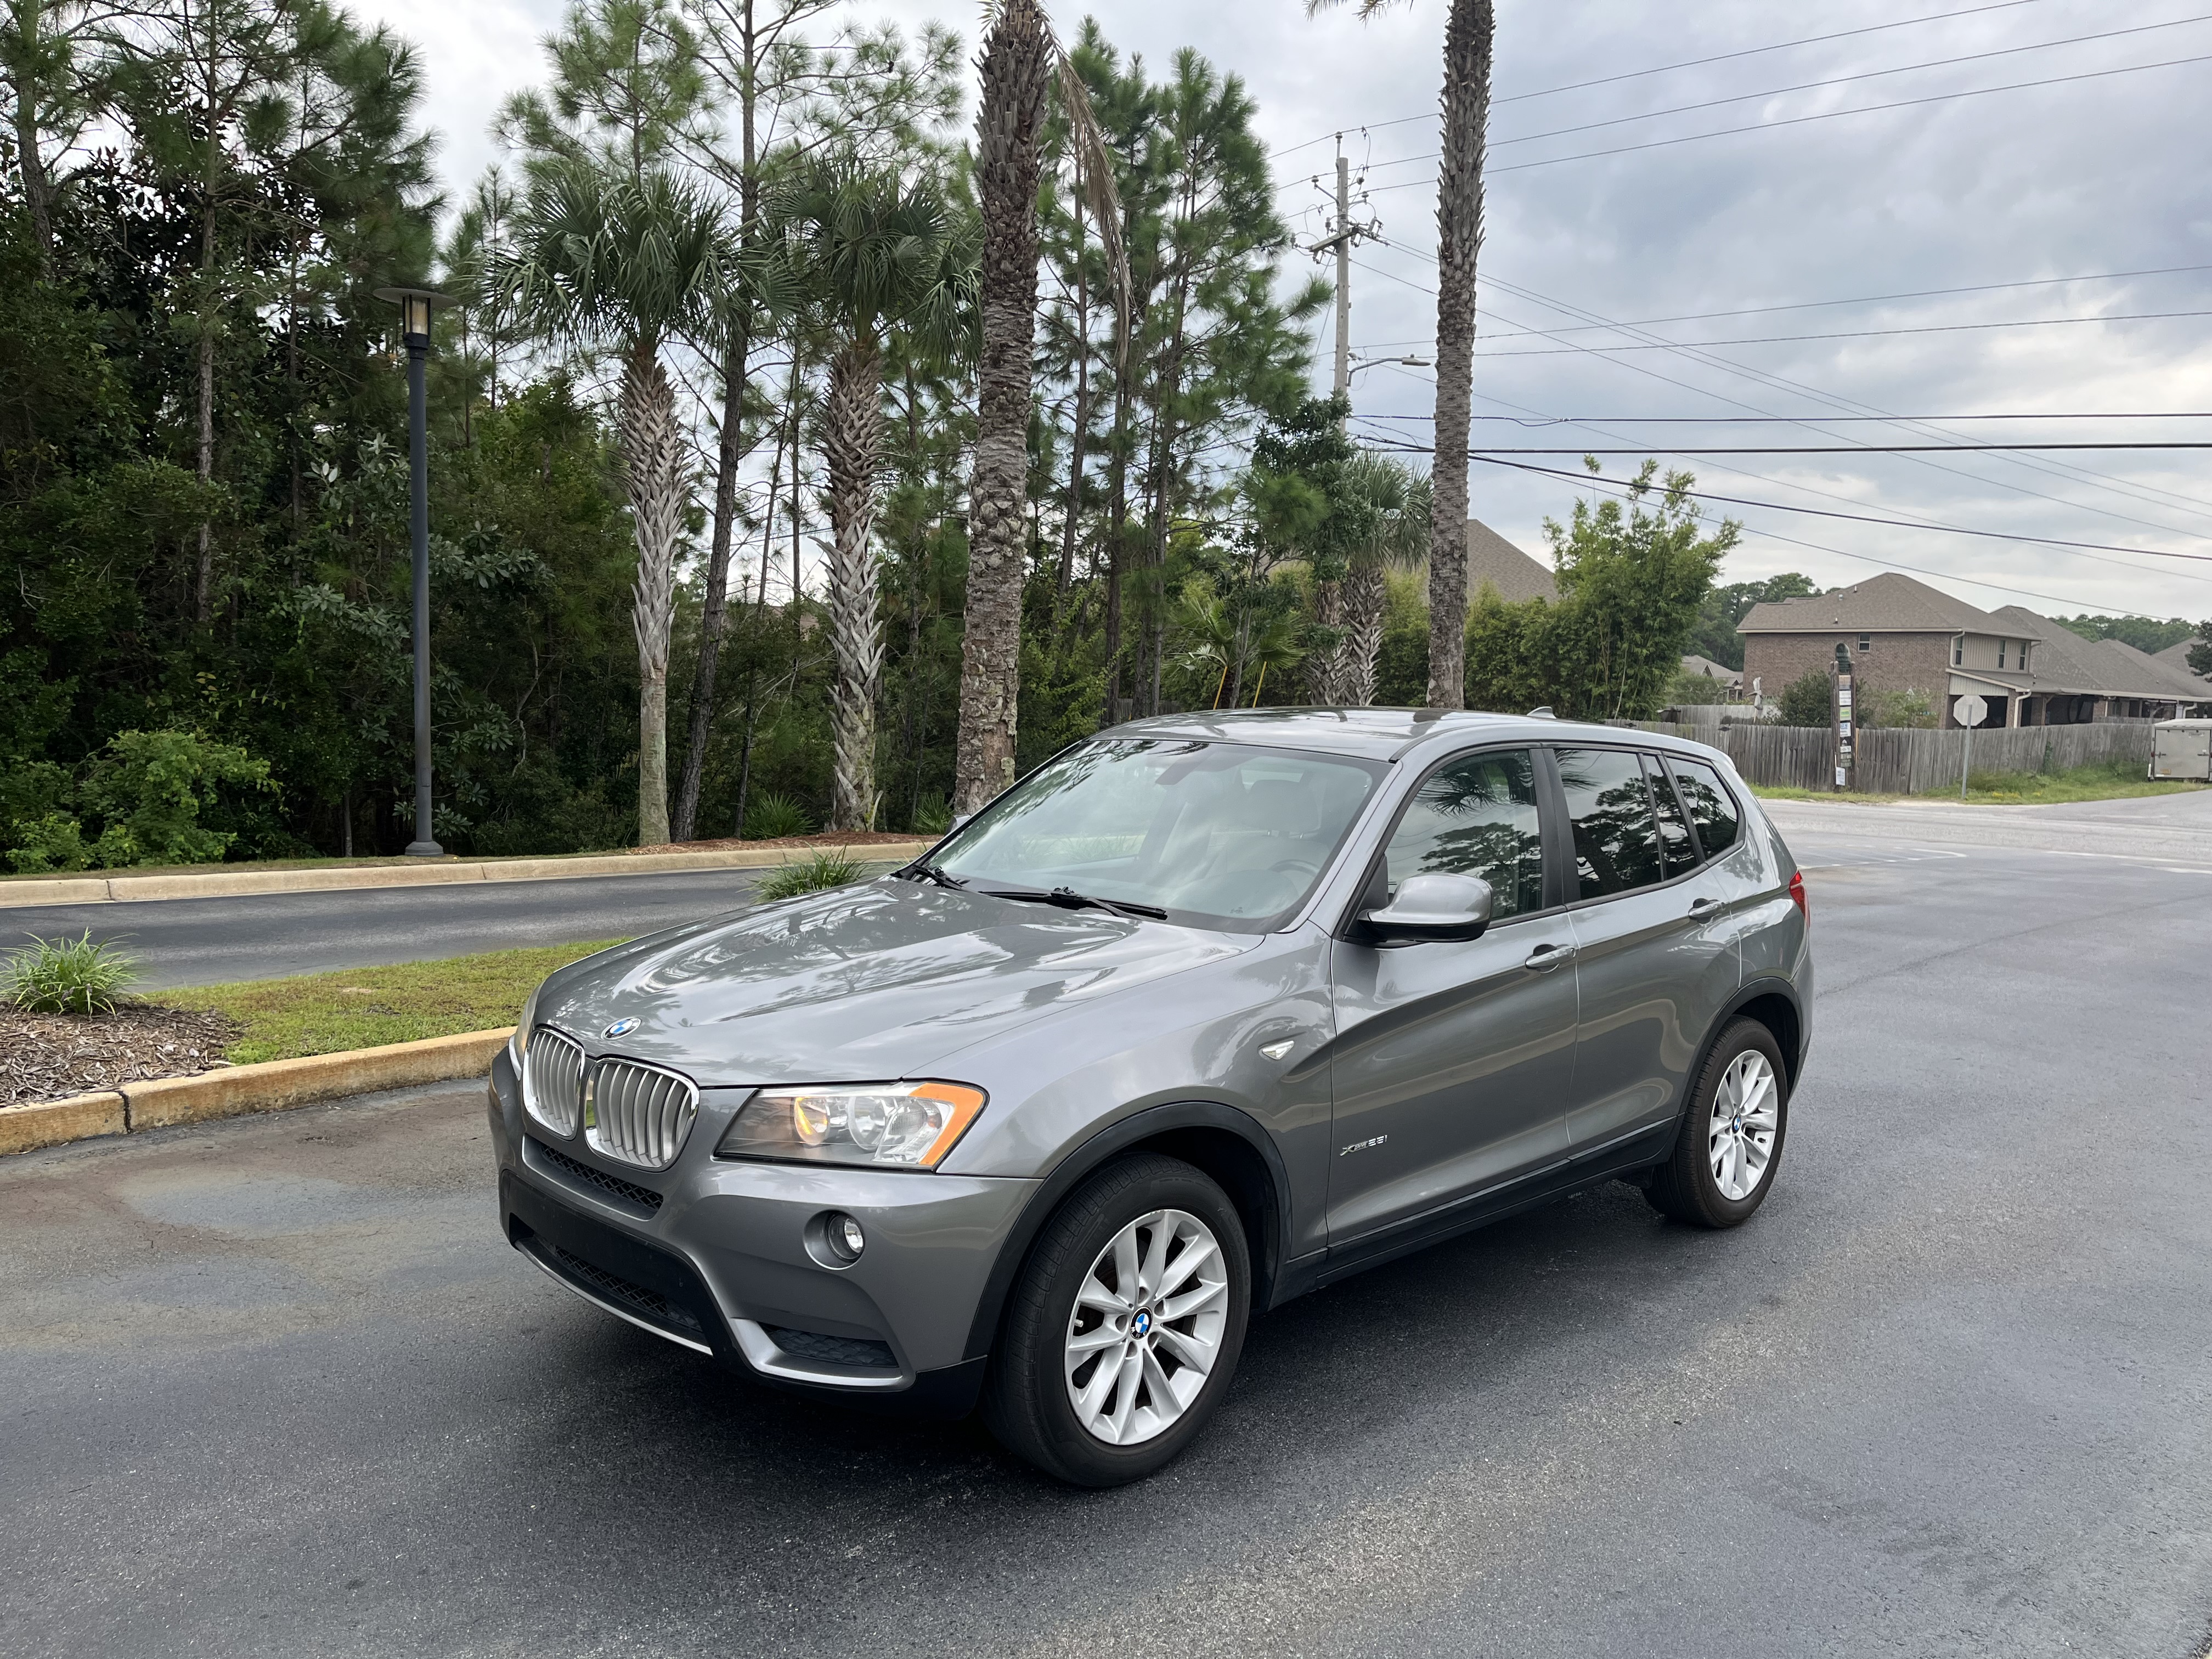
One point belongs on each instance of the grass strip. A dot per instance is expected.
(367, 1007)
(2093, 782)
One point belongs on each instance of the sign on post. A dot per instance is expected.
(1969, 711)
(1843, 716)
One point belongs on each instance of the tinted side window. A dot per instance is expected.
(1476, 816)
(1712, 809)
(1616, 834)
(1679, 851)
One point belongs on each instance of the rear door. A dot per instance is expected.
(1455, 1059)
(1654, 939)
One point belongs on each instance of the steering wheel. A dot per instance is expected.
(1294, 866)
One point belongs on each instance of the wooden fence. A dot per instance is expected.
(1899, 760)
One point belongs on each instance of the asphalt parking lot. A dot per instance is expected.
(276, 1386)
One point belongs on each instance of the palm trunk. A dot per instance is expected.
(852, 444)
(656, 478)
(1364, 596)
(1082, 420)
(1016, 70)
(1466, 100)
(714, 614)
(1325, 669)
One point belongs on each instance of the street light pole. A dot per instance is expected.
(415, 305)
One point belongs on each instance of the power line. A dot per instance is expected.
(1492, 457)
(1846, 79)
(1782, 382)
(1826, 115)
(1754, 51)
(1668, 68)
(1844, 334)
(1800, 420)
(1861, 449)
(1621, 492)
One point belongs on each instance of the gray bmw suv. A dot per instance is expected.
(1206, 1012)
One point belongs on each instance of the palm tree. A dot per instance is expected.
(603, 259)
(1396, 539)
(1021, 59)
(870, 251)
(1466, 100)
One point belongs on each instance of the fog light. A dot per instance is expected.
(843, 1236)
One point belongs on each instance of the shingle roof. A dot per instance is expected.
(2066, 662)
(2162, 673)
(2177, 656)
(1705, 665)
(1888, 603)
(1491, 558)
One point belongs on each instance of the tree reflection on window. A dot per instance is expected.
(1476, 816)
(1609, 804)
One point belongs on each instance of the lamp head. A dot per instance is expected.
(415, 305)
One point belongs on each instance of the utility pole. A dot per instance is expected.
(1342, 234)
(1343, 270)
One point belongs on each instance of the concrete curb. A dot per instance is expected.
(235, 1091)
(217, 883)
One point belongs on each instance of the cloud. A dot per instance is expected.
(2094, 175)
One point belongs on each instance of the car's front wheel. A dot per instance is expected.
(1731, 1139)
(1122, 1333)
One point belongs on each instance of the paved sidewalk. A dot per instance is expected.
(2171, 828)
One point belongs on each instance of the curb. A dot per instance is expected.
(235, 1091)
(99, 889)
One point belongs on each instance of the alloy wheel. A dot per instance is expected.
(1740, 1136)
(1146, 1328)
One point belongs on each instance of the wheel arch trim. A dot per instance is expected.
(1119, 1136)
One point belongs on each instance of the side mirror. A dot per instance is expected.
(1434, 907)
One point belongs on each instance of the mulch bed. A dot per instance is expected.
(53, 1056)
(831, 839)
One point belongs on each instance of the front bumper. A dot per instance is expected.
(714, 1254)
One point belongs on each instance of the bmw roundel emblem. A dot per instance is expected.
(620, 1028)
(1143, 1324)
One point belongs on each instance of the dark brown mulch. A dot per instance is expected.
(53, 1056)
(828, 838)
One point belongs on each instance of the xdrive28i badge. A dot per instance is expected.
(620, 1028)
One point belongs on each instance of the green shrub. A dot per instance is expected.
(1910, 708)
(54, 841)
(827, 868)
(932, 815)
(68, 976)
(1700, 689)
(1809, 699)
(771, 815)
(151, 788)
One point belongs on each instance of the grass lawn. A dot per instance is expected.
(2017, 788)
(365, 1007)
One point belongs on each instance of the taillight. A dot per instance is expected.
(1797, 895)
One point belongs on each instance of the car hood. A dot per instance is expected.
(861, 983)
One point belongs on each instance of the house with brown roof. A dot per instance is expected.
(1902, 634)
(1493, 561)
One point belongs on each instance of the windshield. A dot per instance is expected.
(1216, 833)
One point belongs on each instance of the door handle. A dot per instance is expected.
(1698, 907)
(1545, 957)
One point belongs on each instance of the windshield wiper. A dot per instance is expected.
(930, 873)
(1068, 899)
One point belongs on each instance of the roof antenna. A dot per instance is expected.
(1542, 712)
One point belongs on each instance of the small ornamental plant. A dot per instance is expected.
(809, 875)
(68, 976)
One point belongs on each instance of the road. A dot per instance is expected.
(275, 1386)
(268, 935)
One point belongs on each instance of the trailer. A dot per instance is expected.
(2182, 749)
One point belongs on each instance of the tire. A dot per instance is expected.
(1725, 1157)
(1136, 1370)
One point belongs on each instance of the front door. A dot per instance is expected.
(1656, 939)
(1455, 1059)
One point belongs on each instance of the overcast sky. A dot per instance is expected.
(2102, 173)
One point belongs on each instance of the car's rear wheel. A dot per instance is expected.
(1730, 1143)
(1125, 1326)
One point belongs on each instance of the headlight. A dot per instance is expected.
(901, 1125)
(519, 1044)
